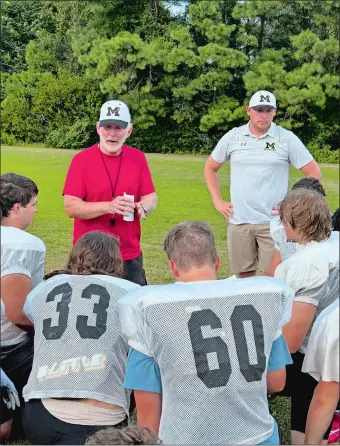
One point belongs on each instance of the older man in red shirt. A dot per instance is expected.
(98, 180)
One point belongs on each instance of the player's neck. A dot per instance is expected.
(197, 275)
(11, 223)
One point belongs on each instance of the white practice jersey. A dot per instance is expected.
(313, 273)
(79, 349)
(322, 355)
(21, 253)
(212, 342)
(287, 247)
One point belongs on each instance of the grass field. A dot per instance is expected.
(182, 196)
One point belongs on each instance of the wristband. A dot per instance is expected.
(142, 207)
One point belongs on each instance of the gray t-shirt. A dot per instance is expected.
(259, 169)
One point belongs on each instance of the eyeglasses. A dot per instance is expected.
(112, 221)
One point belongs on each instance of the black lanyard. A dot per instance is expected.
(113, 189)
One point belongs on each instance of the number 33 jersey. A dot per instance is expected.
(79, 349)
(211, 341)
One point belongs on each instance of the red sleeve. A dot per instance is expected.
(146, 185)
(75, 181)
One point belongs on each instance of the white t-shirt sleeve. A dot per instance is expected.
(322, 355)
(298, 154)
(309, 282)
(221, 152)
(134, 326)
(22, 260)
(276, 232)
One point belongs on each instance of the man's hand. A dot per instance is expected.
(225, 208)
(121, 205)
(140, 210)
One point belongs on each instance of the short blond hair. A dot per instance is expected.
(191, 244)
(308, 213)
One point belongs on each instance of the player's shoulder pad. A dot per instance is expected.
(155, 294)
(122, 283)
(17, 239)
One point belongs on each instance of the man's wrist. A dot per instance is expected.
(142, 206)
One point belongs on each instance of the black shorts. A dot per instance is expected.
(16, 362)
(134, 271)
(41, 427)
(300, 388)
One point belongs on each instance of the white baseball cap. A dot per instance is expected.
(114, 112)
(262, 98)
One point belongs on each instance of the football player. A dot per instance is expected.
(322, 363)
(205, 352)
(22, 268)
(285, 248)
(313, 273)
(76, 384)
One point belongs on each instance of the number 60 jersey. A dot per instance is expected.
(79, 349)
(211, 341)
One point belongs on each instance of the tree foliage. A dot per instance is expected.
(189, 74)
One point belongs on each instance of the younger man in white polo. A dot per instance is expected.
(260, 153)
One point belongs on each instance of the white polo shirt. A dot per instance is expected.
(21, 253)
(322, 355)
(259, 169)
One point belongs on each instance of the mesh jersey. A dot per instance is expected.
(21, 253)
(212, 342)
(313, 273)
(322, 355)
(79, 349)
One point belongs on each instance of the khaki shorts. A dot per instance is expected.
(250, 246)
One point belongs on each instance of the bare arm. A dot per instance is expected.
(77, 208)
(149, 409)
(312, 169)
(295, 331)
(211, 179)
(321, 411)
(275, 261)
(14, 290)
(276, 380)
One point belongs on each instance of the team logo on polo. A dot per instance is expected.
(265, 98)
(113, 111)
(270, 146)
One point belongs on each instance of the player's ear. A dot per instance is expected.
(173, 268)
(16, 207)
(97, 127)
(218, 263)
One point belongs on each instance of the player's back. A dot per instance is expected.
(212, 342)
(79, 350)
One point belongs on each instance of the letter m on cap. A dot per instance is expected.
(113, 111)
(264, 98)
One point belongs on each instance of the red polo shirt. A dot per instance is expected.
(88, 179)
